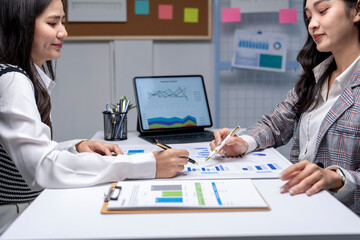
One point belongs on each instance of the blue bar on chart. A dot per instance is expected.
(272, 166)
(216, 193)
(169, 199)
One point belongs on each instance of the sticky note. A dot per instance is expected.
(165, 11)
(231, 15)
(288, 15)
(191, 15)
(142, 7)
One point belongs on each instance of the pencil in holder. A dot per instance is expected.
(115, 125)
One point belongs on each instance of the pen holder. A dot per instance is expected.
(115, 125)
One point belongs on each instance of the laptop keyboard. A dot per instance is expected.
(206, 136)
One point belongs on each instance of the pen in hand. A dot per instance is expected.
(165, 147)
(218, 148)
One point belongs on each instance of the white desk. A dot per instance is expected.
(75, 214)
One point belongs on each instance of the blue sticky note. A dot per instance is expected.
(142, 7)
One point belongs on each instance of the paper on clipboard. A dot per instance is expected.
(195, 195)
(260, 50)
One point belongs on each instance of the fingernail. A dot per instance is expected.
(280, 175)
(292, 191)
(227, 141)
(308, 193)
(282, 190)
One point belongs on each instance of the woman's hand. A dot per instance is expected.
(308, 177)
(98, 147)
(170, 162)
(235, 146)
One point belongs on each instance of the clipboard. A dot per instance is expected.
(116, 190)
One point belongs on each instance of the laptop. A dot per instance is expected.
(173, 109)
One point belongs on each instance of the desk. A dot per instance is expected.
(75, 214)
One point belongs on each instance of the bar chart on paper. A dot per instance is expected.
(265, 164)
(188, 194)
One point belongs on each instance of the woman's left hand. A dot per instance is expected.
(98, 147)
(308, 177)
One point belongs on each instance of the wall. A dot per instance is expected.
(91, 74)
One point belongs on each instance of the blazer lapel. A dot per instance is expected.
(345, 101)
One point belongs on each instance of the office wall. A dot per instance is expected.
(91, 74)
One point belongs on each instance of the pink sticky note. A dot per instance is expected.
(165, 11)
(231, 15)
(288, 15)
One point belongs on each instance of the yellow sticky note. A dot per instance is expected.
(191, 15)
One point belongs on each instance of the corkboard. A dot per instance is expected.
(149, 26)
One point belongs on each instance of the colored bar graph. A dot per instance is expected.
(258, 167)
(214, 169)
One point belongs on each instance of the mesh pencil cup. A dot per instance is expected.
(115, 125)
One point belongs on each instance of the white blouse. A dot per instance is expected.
(44, 163)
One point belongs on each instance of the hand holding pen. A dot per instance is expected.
(234, 150)
(165, 147)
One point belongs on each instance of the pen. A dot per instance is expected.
(218, 148)
(164, 146)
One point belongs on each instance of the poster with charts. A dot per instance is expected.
(187, 194)
(259, 50)
(263, 164)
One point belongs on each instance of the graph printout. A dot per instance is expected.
(187, 194)
(264, 164)
(260, 50)
(96, 11)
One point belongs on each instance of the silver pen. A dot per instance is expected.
(218, 148)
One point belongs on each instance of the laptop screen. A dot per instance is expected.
(171, 103)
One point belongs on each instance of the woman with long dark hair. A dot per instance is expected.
(322, 112)
(31, 35)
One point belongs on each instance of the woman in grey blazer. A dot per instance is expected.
(321, 113)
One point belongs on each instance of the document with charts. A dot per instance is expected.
(263, 164)
(188, 194)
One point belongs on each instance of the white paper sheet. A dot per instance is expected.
(187, 194)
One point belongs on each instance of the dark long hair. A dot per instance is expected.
(309, 57)
(17, 27)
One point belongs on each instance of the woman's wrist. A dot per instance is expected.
(77, 146)
(338, 179)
